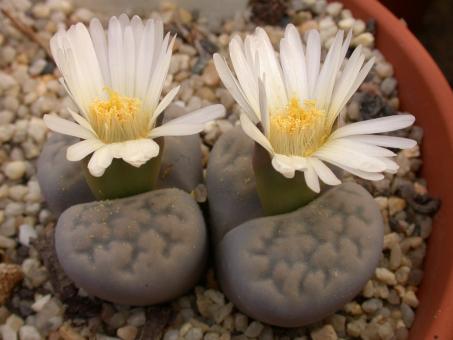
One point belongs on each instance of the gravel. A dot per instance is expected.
(29, 88)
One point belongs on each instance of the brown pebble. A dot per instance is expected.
(307, 25)
(66, 332)
(10, 276)
(210, 76)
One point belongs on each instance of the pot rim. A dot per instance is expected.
(418, 75)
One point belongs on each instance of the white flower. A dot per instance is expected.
(116, 79)
(297, 103)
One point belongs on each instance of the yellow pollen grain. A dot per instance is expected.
(298, 129)
(117, 107)
(296, 117)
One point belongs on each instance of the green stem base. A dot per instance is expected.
(278, 194)
(122, 179)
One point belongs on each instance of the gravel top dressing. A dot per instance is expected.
(38, 301)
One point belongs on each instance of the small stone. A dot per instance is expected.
(29, 333)
(185, 16)
(194, 334)
(386, 331)
(221, 313)
(171, 334)
(37, 67)
(82, 14)
(41, 302)
(334, 8)
(26, 232)
(307, 26)
(241, 322)
(8, 333)
(371, 306)
(388, 86)
(356, 327)
(359, 27)
(386, 276)
(396, 204)
(325, 333)
(353, 308)
(338, 322)
(384, 69)
(395, 257)
(127, 332)
(7, 243)
(410, 298)
(15, 170)
(69, 333)
(402, 274)
(407, 315)
(346, 24)
(10, 276)
(6, 81)
(116, 320)
(37, 129)
(254, 329)
(137, 318)
(364, 39)
(41, 11)
(210, 76)
(15, 322)
(35, 274)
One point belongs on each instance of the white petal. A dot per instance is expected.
(138, 152)
(313, 59)
(312, 180)
(387, 141)
(378, 125)
(145, 58)
(275, 87)
(100, 45)
(254, 133)
(116, 55)
(371, 176)
(293, 63)
(80, 120)
(265, 117)
(326, 175)
(67, 127)
(100, 161)
(80, 150)
(363, 148)
(328, 74)
(337, 152)
(283, 165)
(247, 79)
(234, 88)
(190, 123)
(159, 74)
(129, 58)
(165, 102)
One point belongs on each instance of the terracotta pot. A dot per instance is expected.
(424, 92)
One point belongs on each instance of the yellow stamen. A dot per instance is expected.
(119, 118)
(298, 130)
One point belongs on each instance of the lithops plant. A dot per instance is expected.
(315, 248)
(146, 248)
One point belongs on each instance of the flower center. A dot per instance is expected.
(298, 130)
(119, 118)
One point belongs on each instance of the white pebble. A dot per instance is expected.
(15, 170)
(26, 232)
(29, 333)
(386, 276)
(40, 302)
(334, 8)
(364, 39)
